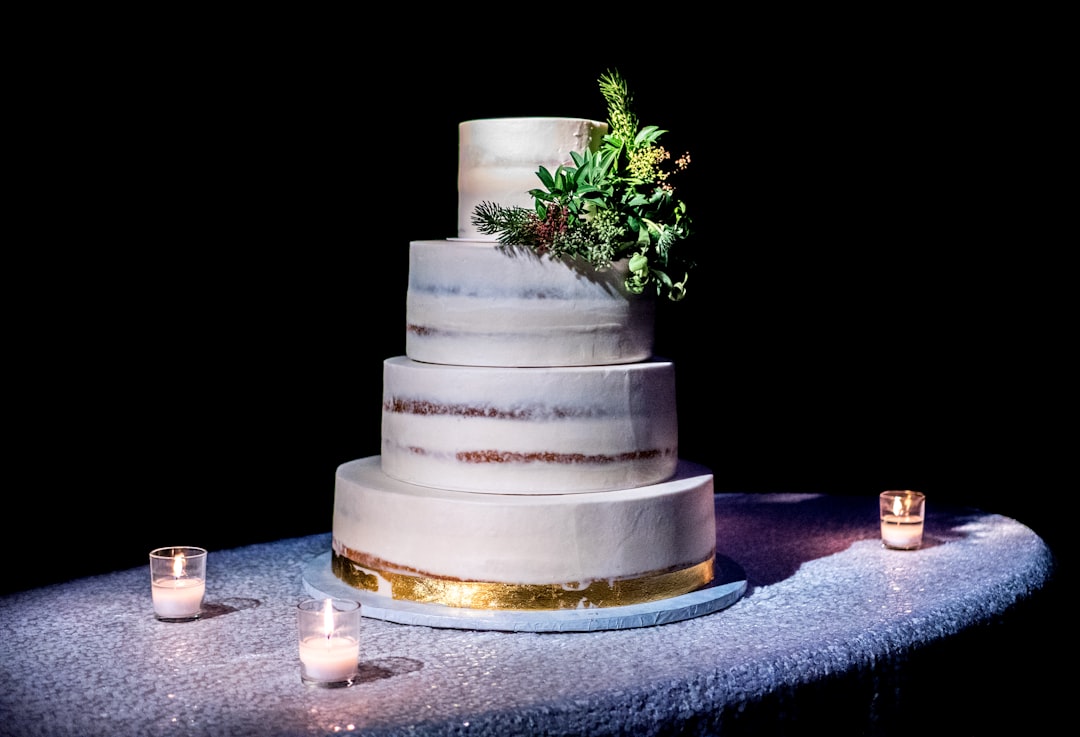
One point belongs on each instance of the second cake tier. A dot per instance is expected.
(479, 304)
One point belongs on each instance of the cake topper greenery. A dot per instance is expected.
(612, 204)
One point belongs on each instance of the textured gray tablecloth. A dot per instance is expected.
(829, 619)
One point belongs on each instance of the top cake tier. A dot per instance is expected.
(498, 159)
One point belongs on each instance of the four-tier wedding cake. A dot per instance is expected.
(529, 454)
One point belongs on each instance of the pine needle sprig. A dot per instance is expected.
(510, 224)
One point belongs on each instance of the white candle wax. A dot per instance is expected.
(329, 659)
(902, 531)
(176, 598)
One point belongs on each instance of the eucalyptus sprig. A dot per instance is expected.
(610, 204)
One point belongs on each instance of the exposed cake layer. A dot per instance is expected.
(529, 430)
(498, 551)
(475, 303)
(498, 159)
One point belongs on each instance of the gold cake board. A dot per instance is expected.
(727, 588)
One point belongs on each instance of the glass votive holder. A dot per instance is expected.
(902, 515)
(178, 582)
(329, 632)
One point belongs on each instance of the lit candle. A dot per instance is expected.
(331, 656)
(902, 519)
(178, 582)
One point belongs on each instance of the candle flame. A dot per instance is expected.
(178, 564)
(328, 618)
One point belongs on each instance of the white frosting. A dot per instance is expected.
(475, 303)
(529, 430)
(524, 539)
(498, 159)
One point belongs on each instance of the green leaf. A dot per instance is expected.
(647, 135)
(545, 177)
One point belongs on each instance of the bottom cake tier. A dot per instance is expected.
(523, 552)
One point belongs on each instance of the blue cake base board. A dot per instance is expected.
(320, 582)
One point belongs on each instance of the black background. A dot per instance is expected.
(213, 261)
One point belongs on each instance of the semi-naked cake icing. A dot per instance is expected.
(529, 430)
(472, 303)
(529, 454)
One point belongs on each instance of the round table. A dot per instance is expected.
(833, 631)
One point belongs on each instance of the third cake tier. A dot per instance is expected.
(529, 430)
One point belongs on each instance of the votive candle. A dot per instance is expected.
(329, 643)
(178, 582)
(902, 516)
